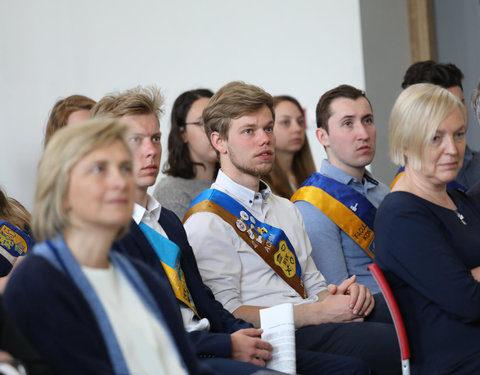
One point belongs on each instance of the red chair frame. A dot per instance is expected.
(396, 316)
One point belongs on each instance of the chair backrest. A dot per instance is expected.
(396, 316)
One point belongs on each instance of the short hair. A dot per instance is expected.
(179, 162)
(476, 102)
(63, 151)
(323, 112)
(232, 101)
(136, 101)
(416, 116)
(62, 109)
(444, 75)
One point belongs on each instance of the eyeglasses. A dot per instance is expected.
(197, 123)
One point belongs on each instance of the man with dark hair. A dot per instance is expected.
(339, 203)
(475, 189)
(252, 249)
(448, 76)
(157, 237)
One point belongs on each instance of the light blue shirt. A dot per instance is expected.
(336, 255)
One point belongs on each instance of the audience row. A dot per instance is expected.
(116, 284)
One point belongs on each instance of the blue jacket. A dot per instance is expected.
(216, 342)
(53, 314)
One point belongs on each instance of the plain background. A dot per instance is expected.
(56, 48)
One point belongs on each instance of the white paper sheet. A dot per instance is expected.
(278, 327)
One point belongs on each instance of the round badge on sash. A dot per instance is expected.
(244, 215)
(252, 219)
(241, 225)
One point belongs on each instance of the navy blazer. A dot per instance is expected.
(54, 315)
(216, 342)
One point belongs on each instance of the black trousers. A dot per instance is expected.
(374, 340)
(308, 363)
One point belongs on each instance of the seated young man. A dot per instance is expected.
(157, 237)
(339, 203)
(252, 249)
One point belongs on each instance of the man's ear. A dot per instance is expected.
(218, 142)
(322, 137)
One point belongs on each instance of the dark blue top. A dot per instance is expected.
(53, 314)
(426, 254)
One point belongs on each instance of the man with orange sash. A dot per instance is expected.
(252, 249)
(156, 237)
(339, 203)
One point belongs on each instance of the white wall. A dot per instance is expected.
(52, 49)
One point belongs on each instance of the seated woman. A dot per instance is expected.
(293, 158)
(86, 309)
(427, 238)
(15, 236)
(69, 110)
(192, 163)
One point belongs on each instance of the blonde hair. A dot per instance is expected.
(416, 116)
(13, 212)
(232, 101)
(66, 147)
(136, 101)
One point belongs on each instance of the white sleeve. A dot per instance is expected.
(214, 243)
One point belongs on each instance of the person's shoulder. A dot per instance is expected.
(398, 201)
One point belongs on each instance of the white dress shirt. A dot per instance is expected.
(236, 274)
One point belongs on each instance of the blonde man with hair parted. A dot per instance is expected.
(252, 248)
(157, 237)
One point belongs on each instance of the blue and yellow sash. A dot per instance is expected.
(451, 185)
(169, 255)
(347, 208)
(270, 243)
(13, 240)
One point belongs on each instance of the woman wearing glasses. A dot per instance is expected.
(192, 162)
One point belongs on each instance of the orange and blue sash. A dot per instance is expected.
(270, 243)
(345, 206)
(451, 185)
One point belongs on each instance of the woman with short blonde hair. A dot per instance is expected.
(87, 309)
(427, 238)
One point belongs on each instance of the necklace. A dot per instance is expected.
(461, 217)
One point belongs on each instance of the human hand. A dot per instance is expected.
(361, 299)
(476, 273)
(5, 356)
(247, 346)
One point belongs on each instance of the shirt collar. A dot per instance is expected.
(153, 209)
(240, 192)
(337, 174)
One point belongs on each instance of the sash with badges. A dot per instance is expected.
(347, 208)
(270, 243)
(13, 241)
(169, 255)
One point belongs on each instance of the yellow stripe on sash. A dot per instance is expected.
(397, 177)
(179, 286)
(341, 215)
